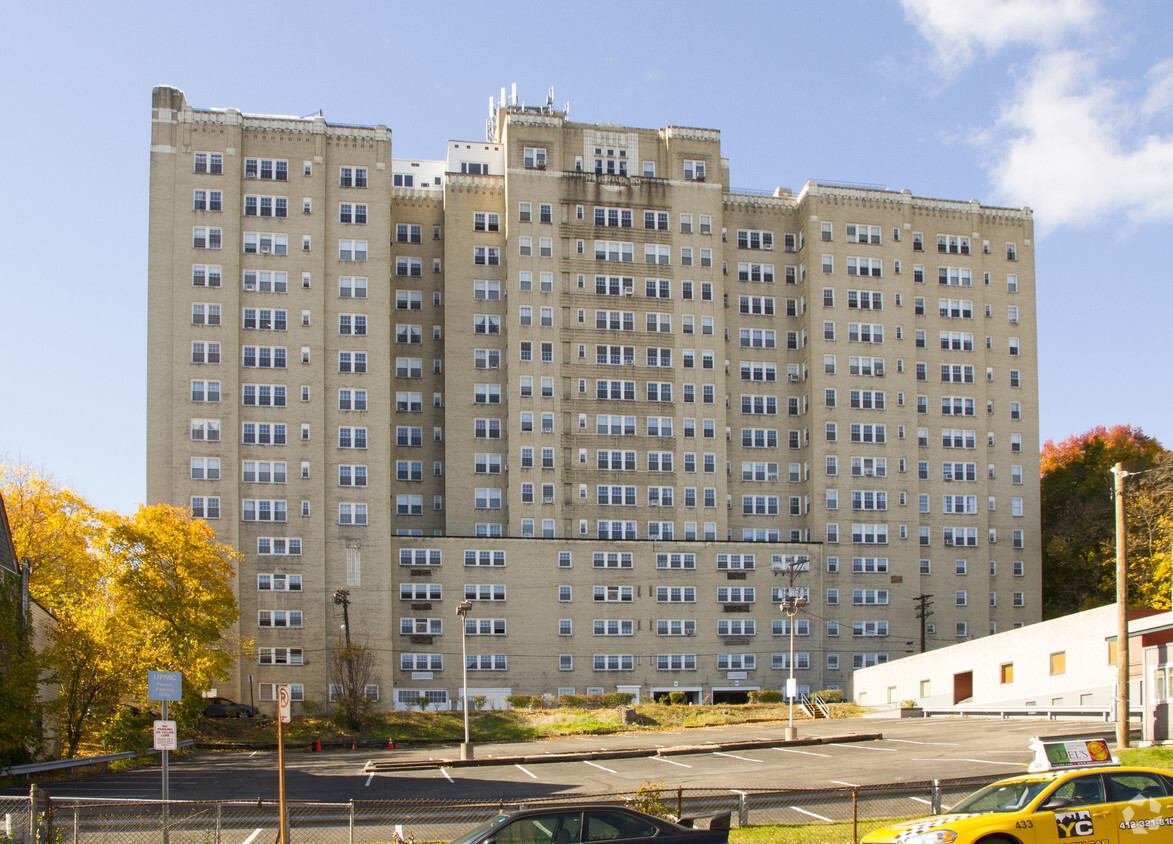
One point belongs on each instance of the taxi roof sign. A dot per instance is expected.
(1053, 754)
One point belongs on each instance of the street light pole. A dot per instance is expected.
(791, 607)
(342, 596)
(462, 610)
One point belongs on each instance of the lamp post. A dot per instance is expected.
(342, 598)
(462, 610)
(791, 607)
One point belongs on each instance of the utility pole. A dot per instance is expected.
(923, 612)
(342, 596)
(1122, 666)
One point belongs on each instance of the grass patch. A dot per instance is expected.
(489, 726)
(811, 833)
(1148, 757)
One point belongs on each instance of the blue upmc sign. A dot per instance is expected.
(164, 685)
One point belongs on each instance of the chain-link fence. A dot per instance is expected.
(834, 816)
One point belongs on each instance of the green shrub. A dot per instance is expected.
(767, 696)
(125, 731)
(519, 701)
(831, 695)
(676, 698)
(572, 701)
(649, 799)
(615, 699)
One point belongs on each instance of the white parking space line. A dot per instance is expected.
(368, 782)
(670, 761)
(524, 771)
(250, 756)
(447, 775)
(979, 761)
(860, 747)
(841, 782)
(601, 768)
(1020, 752)
(922, 800)
(735, 756)
(812, 814)
(251, 838)
(910, 741)
(803, 752)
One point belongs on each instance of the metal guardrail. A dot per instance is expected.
(80, 762)
(1051, 713)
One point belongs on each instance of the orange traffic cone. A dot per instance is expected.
(390, 744)
(318, 745)
(354, 745)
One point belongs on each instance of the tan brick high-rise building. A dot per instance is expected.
(569, 375)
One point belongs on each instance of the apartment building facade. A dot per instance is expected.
(568, 375)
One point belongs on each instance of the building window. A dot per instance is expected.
(350, 177)
(351, 250)
(694, 170)
(210, 163)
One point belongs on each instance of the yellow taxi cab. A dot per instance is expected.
(1075, 792)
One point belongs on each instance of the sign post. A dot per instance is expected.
(165, 686)
(284, 711)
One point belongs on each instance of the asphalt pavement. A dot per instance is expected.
(826, 754)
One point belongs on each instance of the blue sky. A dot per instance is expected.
(1062, 105)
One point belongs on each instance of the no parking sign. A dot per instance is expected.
(284, 710)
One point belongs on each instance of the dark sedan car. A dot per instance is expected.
(222, 707)
(581, 824)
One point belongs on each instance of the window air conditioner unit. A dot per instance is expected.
(792, 378)
(948, 543)
(265, 250)
(867, 473)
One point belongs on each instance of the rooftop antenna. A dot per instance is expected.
(566, 108)
(503, 100)
(514, 93)
(550, 99)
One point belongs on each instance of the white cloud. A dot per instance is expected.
(957, 30)
(1076, 145)
(1160, 94)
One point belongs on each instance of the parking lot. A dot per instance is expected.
(909, 750)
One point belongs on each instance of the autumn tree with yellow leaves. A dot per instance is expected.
(128, 594)
(1078, 519)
